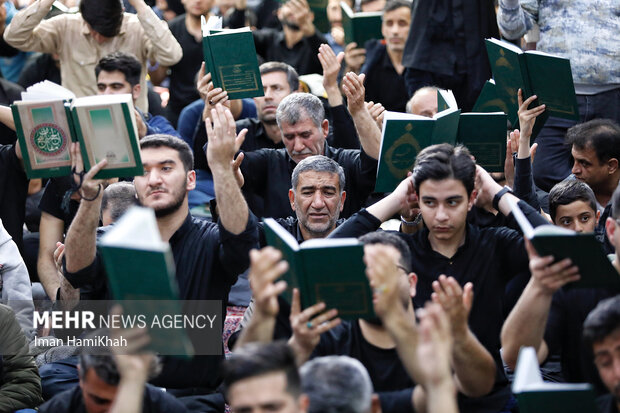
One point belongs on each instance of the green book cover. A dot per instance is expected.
(445, 100)
(141, 274)
(44, 136)
(319, 9)
(230, 57)
(328, 270)
(584, 250)
(488, 100)
(360, 27)
(484, 134)
(404, 136)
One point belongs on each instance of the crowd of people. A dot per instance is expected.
(457, 288)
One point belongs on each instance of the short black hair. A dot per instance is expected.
(118, 196)
(103, 365)
(391, 5)
(104, 16)
(444, 161)
(291, 74)
(172, 142)
(569, 191)
(602, 321)
(257, 359)
(390, 238)
(602, 135)
(125, 63)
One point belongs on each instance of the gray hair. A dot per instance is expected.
(119, 197)
(336, 384)
(419, 92)
(299, 106)
(318, 163)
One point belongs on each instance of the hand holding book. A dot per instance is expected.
(88, 187)
(266, 266)
(547, 276)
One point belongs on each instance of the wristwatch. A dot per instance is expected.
(499, 195)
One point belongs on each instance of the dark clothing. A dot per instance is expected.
(38, 68)
(182, 75)
(54, 203)
(208, 259)
(383, 84)
(607, 404)
(268, 172)
(9, 93)
(387, 373)
(13, 192)
(446, 48)
(72, 401)
(270, 44)
(563, 333)
(256, 138)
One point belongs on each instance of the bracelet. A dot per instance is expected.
(498, 196)
(94, 197)
(414, 223)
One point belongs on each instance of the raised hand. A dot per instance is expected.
(455, 301)
(223, 139)
(527, 117)
(383, 274)
(547, 276)
(89, 188)
(266, 266)
(354, 57)
(331, 68)
(353, 87)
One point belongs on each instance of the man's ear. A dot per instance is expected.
(472, 199)
(304, 403)
(191, 180)
(343, 198)
(135, 91)
(291, 198)
(325, 127)
(375, 404)
(413, 282)
(612, 165)
(598, 216)
(610, 229)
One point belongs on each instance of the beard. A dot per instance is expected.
(290, 24)
(173, 206)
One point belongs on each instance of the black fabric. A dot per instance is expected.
(268, 172)
(563, 334)
(9, 92)
(52, 200)
(39, 68)
(13, 192)
(383, 84)
(385, 369)
(72, 401)
(183, 74)
(256, 137)
(607, 404)
(208, 259)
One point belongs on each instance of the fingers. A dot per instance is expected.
(295, 303)
(533, 150)
(238, 160)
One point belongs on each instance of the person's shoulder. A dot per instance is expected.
(178, 21)
(66, 401)
(158, 400)
(606, 404)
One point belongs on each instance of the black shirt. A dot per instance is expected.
(13, 191)
(183, 74)
(72, 401)
(9, 93)
(208, 259)
(383, 84)
(37, 69)
(54, 203)
(271, 46)
(607, 404)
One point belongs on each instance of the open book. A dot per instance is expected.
(230, 57)
(328, 270)
(49, 117)
(360, 27)
(141, 275)
(534, 395)
(583, 249)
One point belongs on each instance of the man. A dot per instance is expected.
(208, 256)
(100, 28)
(384, 69)
(117, 198)
(602, 331)
(264, 377)
(99, 386)
(301, 117)
(586, 36)
(119, 73)
(423, 102)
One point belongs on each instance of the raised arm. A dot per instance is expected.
(525, 325)
(513, 20)
(331, 68)
(28, 32)
(159, 40)
(369, 133)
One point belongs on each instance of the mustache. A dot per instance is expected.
(304, 152)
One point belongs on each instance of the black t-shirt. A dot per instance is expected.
(607, 404)
(53, 198)
(302, 56)
(72, 401)
(183, 74)
(13, 191)
(387, 373)
(383, 84)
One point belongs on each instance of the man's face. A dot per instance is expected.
(304, 138)
(444, 205)
(425, 103)
(317, 201)
(395, 28)
(98, 395)
(577, 216)
(165, 183)
(197, 8)
(276, 88)
(265, 393)
(115, 83)
(588, 168)
(334, 13)
(287, 17)
(607, 360)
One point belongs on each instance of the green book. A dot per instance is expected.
(360, 27)
(445, 100)
(319, 9)
(49, 117)
(488, 100)
(404, 136)
(484, 134)
(141, 275)
(583, 249)
(328, 270)
(534, 395)
(536, 73)
(230, 57)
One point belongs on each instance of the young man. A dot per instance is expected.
(119, 73)
(80, 40)
(602, 331)
(263, 377)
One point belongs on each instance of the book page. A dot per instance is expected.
(136, 229)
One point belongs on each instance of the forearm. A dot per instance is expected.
(48, 273)
(6, 117)
(334, 97)
(525, 325)
(441, 397)
(385, 208)
(302, 353)
(130, 394)
(368, 132)
(474, 368)
(21, 32)
(524, 182)
(405, 336)
(233, 208)
(81, 240)
(259, 330)
(163, 46)
(512, 20)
